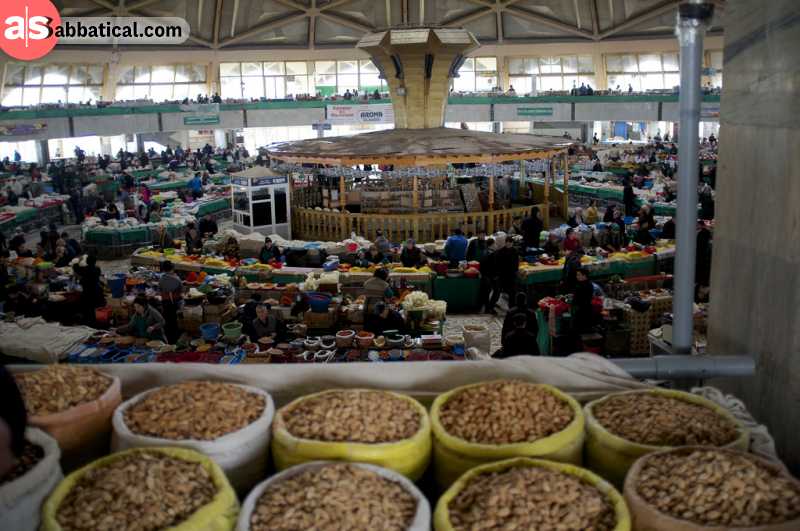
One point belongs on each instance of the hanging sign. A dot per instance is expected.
(201, 119)
(379, 113)
(200, 113)
(534, 111)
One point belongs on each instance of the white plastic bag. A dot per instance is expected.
(478, 337)
(21, 500)
(242, 455)
(421, 521)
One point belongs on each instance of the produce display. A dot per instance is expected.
(144, 490)
(715, 487)
(361, 416)
(194, 410)
(31, 454)
(658, 420)
(530, 497)
(57, 388)
(504, 412)
(335, 496)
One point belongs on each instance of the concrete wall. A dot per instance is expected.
(755, 277)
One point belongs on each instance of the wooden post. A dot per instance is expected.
(415, 203)
(547, 178)
(491, 192)
(566, 186)
(342, 203)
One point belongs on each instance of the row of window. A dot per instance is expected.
(35, 84)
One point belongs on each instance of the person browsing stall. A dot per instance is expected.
(91, 292)
(146, 323)
(455, 248)
(376, 289)
(171, 288)
(532, 228)
(477, 248)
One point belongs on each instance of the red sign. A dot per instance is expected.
(27, 28)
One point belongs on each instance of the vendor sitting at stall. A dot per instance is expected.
(208, 227)
(383, 318)
(374, 256)
(163, 240)
(520, 308)
(196, 186)
(455, 248)
(155, 212)
(231, 249)
(266, 325)
(112, 212)
(376, 289)
(572, 243)
(146, 323)
(382, 242)
(269, 252)
(411, 255)
(477, 248)
(553, 246)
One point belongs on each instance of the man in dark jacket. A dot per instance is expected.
(629, 198)
(411, 255)
(532, 228)
(490, 281)
(520, 308)
(208, 227)
(519, 341)
(477, 249)
(507, 261)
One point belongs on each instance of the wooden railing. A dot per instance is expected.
(309, 224)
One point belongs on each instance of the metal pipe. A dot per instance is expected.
(687, 367)
(692, 19)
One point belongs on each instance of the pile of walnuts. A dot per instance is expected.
(359, 416)
(648, 418)
(194, 410)
(335, 496)
(142, 491)
(717, 488)
(57, 388)
(31, 454)
(504, 412)
(530, 498)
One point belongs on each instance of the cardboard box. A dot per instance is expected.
(320, 320)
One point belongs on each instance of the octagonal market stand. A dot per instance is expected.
(418, 64)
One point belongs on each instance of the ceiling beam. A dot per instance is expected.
(655, 11)
(577, 14)
(344, 21)
(469, 17)
(335, 4)
(595, 17)
(549, 22)
(483, 3)
(103, 3)
(217, 20)
(234, 16)
(146, 13)
(96, 11)
(140, 4)
(261, 28)
(291, 3)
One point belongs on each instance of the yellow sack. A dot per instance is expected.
(409, 457)
(611, 456)
(441, 517)
(219, 515)
(452, 456)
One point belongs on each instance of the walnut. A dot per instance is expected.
(504, 412)
(57, 388)
(194, 410)
(334, 497)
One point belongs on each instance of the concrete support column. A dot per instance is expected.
(139, 143)
(755, 286)
(42, 152)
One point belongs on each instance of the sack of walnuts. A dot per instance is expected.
(382, 428)
(621, 427)
(491, 421)
(144, 488)
(325, 494)
(230, 423)
(525, 493)
(703, 488)
(74, 405)
(29, 483)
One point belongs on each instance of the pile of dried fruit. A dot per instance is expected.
(143, 491)
(336, 496)
(717, 488)
(658, 420)
(59, 387)
(504, 412)
(31, 454)
(194, 410)
(354, 416)
(530, 498)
